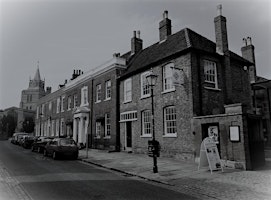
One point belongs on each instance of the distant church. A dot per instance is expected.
(30, 96)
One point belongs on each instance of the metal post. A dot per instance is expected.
(155, 168)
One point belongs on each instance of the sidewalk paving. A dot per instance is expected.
(184, 176)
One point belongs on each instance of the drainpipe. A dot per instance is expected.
(200, 85)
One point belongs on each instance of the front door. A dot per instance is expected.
(128, 138)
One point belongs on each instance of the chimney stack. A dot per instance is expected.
(164, 27)
(136, 43)
(221, 32)
(248, 54)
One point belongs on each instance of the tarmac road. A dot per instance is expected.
(28, 175)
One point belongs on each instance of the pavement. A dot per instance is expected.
(184, 176)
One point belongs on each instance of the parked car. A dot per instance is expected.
(16, 137)
(28, 141)
(61, 147)
(40, 143)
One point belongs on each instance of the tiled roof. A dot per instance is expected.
(176, 43)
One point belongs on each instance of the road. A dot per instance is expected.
(30, 175)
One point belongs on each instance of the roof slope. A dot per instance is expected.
(176, 43)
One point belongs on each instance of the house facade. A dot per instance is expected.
(213, 96)
(83, 108)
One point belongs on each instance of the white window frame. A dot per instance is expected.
(62, 103)
(210, 73)
(170, 122)
(50, 106)
(58, 105)
(167, 78)
(128, 116)
(98, 129)
(53, 128)
(146, 123)
(69, 103)
(144, 87)
(84, 96)
(127, 90)
(57, 127)
(75, 101)
(62, 127)
(98, 93)
(107, 131)
(108, 90)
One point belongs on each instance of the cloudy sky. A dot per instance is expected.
(82, 34)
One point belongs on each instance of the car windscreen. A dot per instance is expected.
(67, 143)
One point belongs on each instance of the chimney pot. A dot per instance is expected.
(244, 42)
(249, 41)
(138, 34)
(219, 10)
(165, 15)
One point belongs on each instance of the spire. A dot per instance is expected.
(37, 75)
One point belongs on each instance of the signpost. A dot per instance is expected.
(209, 155)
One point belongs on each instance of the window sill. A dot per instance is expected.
(97, 102)
(107, 99)
(97, 137)
(127, 101)
(145, 97)
(146, 136)
(107, 137)
(173, 135)
(82, 105)
(215, 89)
(167, 91)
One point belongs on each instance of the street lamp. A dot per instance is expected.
(151, 81)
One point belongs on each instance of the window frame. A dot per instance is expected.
(144, 123)
(108, 89)
(84, 96)
(168, 77)
(172, 120)
(98, 93)
(143, 84)
(210, 78)
(107, 131)
(98, 130)
(126, 92)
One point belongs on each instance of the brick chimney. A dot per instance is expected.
(165, 27)
(248, 54)
(221, 32)
(136, 43)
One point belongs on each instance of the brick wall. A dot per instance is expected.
(180, 146)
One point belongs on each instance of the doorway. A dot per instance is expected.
(128, 136)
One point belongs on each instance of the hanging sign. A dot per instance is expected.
(209, 155)
(177, 77)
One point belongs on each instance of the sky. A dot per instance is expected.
(64, 35)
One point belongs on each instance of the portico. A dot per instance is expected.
(80, 124)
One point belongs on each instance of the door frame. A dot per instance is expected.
(125, 137)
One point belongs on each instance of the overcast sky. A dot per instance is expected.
(77, 34)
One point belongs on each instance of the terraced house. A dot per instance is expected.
(214, 94)
(85, 107)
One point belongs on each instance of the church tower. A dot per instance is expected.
(35, 90)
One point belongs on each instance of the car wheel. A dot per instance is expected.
(54, 155)
(45, 152)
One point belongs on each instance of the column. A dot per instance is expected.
(75, 129)
(80, 132)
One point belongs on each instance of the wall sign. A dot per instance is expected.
(234, 134)
(213, 133)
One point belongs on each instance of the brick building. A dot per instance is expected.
(85, 107)
(214, 94)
